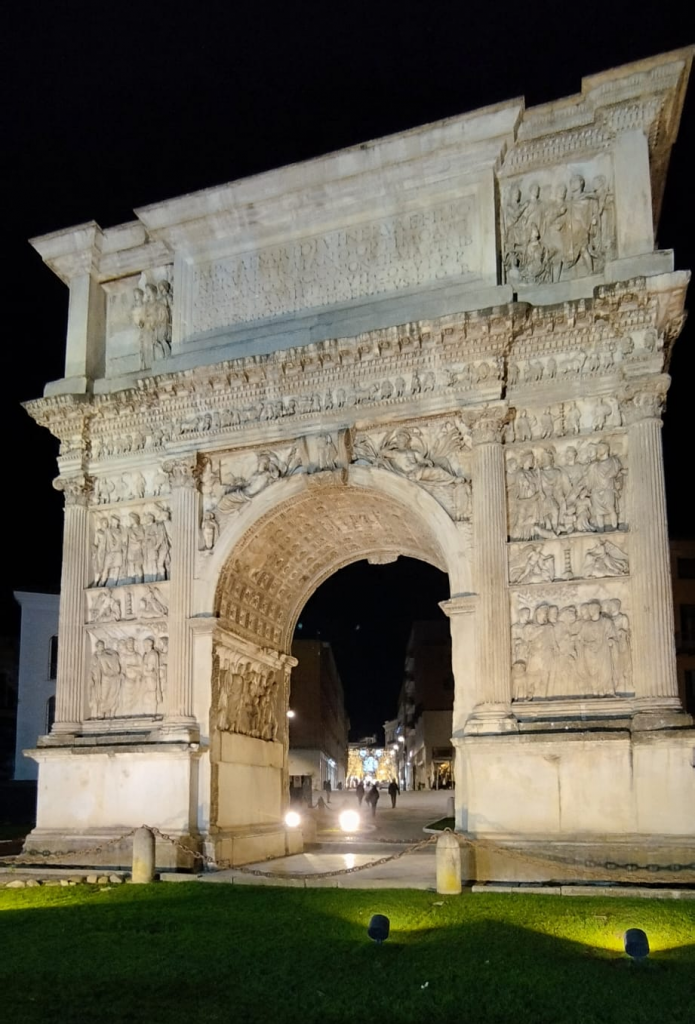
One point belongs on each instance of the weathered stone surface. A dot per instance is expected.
(269, 380)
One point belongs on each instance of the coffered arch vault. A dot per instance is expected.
(268, 568)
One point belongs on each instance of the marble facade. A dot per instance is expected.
(451, 344)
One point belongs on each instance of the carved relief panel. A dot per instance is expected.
(556, 490)
(559, 223)
(138, 321)
(132, 546)
(435, 455)
(571, 641)
(127, 669)
(247, 696)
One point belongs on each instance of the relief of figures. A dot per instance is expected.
(126, 604)
(430, 461)
(555, 233)
(238, 491)
(247, 700)
(580, 496)
(127, 679)
(130, 486)
(134, 548)
(151, 314)
(566, 419)
(577, 650)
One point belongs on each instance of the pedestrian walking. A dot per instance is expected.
(373, 799)
(394, 791)
(327, 790)
(359, 789)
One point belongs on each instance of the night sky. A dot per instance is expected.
(106, 108)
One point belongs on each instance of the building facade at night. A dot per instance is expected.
(318, 729)
(450, 344)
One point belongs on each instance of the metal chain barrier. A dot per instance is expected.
(589, 869)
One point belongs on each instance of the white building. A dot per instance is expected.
(38, 661)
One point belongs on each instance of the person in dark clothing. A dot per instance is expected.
(327, 790)
(359, 789)
(373, 799)
(394, 791)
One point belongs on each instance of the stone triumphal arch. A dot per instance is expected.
(451, 344)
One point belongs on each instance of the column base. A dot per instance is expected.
(180, 727)
(652, 713)
(66, 728)
(489, 719)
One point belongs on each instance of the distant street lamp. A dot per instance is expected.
(290, 713)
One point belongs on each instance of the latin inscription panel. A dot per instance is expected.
(421, 247)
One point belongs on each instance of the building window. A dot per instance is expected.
(50, 713)
(686, 568)
(53, 657)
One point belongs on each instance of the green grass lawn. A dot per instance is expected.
(196, 953)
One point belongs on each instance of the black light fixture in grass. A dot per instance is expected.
(378, 929)
(636, 944)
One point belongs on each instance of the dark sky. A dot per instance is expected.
(108, 107)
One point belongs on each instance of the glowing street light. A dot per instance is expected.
(349, 821)
(290, 713)
(292, 819)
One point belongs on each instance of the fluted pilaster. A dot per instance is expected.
(653, 640)
(493, 677)
(184, 533)
(70, 682)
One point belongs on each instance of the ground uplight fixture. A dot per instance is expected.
(379, 927)
(349, 821)
(290, 713)
(636, 944)
(292, 819)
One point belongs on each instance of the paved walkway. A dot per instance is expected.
(390, 831)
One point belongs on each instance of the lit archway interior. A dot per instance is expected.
(289, 552)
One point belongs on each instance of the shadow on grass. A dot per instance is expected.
(174, 953)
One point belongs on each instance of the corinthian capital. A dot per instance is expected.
(76, 489)
(644, 401)
(182, 472)
(486, 424)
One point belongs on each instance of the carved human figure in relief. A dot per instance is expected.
(269, 468)
(620, 643)
(326, 452)
(603, 479)
(209, 531)
(605, 559)
(105, 682)
(596, 634)
(106, 608)
(151, 694)
(151, 605)
(99, 556)
(542, 652)
(131, 664)
(573, 419)
(135, 549)
(533, 567)
(151, 314)
(114, 552)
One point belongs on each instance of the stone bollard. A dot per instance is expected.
(451, 807)
(448, 865)
(143, 856)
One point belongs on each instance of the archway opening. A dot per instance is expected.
(372, 694)
(288, 547)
